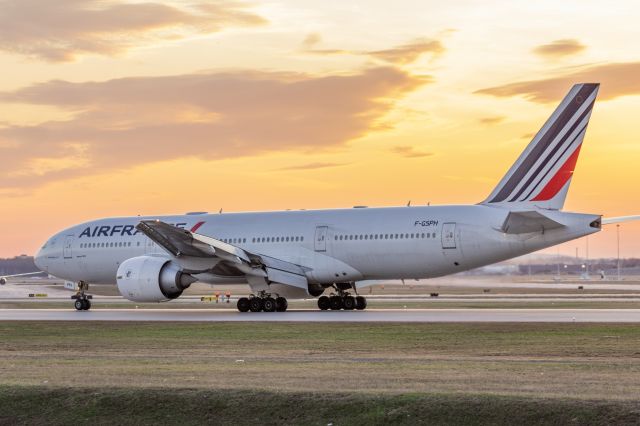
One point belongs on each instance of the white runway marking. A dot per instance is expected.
(373, 315)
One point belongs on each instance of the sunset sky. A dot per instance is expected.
(143, 107)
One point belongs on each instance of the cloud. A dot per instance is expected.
(132, 121)
(399, 55)
(311, 42)
(489, 121)
(410, 152)
(410, 52)
(617, 79)
(60, 31)
(559, 48)
(312, 166)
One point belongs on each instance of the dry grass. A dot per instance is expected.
(587, 361)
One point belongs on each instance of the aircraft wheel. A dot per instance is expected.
(324, 303)
(87, 304)
(281, 304)
(79, 305)
(269, 304)
(336, 303)
(255, 304)
(243, 304)
(361, 303)
(349, 303)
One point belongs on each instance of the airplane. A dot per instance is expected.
(328, 254)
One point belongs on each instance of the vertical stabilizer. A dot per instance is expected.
(542, 174)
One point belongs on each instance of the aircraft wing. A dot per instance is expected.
(612, 220)
(182, 243)
(3, 278)
(522, 222)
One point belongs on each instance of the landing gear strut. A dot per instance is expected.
(262, 302)
(82, 300)
(341, 299)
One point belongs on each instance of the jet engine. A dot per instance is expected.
(152, 279)
(316, 289)
(3, 280)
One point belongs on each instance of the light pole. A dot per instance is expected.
(587, 261)
(618, 238)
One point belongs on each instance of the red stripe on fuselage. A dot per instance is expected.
(197, 226)
(560, 179)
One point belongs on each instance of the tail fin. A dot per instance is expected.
(542, 174)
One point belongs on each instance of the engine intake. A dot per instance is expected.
(152, 279)
(316, 289)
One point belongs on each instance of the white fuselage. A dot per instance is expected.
(342, 245)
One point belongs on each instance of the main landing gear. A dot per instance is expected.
(82, 300)
(342, 300)
(263, 302)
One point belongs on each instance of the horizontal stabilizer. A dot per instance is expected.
(528, 221)
(620, 219)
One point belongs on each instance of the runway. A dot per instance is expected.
(373, 315)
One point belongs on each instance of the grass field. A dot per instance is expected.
(274, 373)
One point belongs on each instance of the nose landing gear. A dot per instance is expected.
(82, 300)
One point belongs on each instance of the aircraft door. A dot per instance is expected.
(67, 250)
(449, 235)
(320, 242)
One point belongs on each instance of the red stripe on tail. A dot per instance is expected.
(560, 179)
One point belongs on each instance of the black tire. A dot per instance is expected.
(361, 303)
(336, 303)
(281, 304)
(243, 304)
(323, 303)
(87, 304)
(269, 304)
(349, 303)
(79, 305)
(255, 304)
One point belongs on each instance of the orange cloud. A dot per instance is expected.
(410, 152)
(311, 42)
(400, 55)
(617, 79)
(312, 166)
(62, 31)
(492, 120)
(409, 52)
(559, 48)
(133, 121)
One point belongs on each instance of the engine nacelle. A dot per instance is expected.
(316, 289)
(3, 280)
(152, 279)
